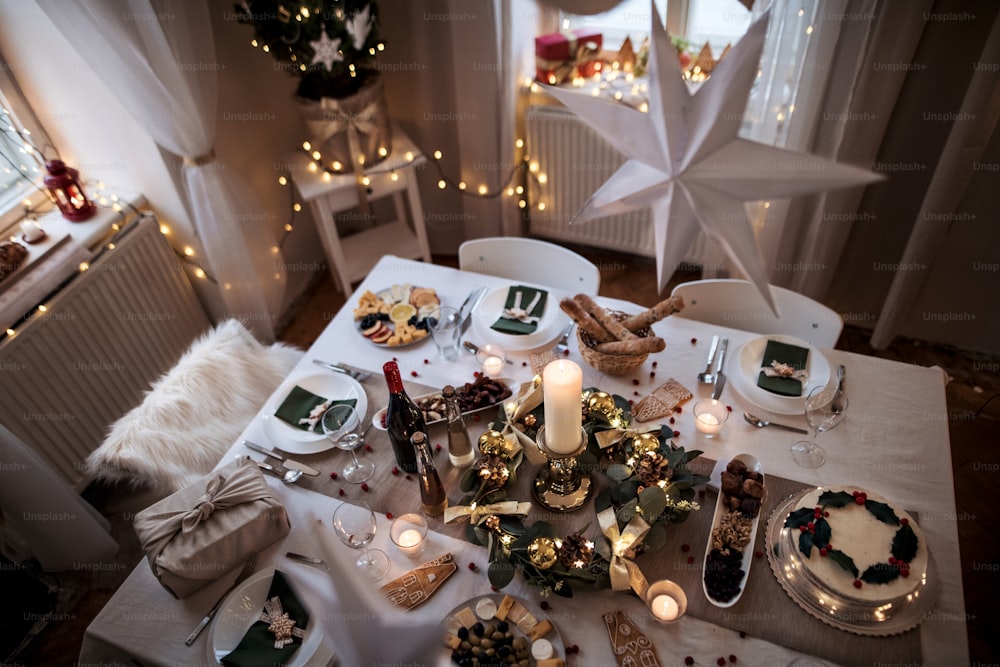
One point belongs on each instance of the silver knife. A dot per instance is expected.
(469, 305)
(289, 463)
(841, 372)
(720, 377)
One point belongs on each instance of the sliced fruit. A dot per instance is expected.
(382, 336)
(373, 329)
(402, 312)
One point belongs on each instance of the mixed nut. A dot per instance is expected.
(483, 392)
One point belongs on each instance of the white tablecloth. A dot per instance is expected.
(894, 441)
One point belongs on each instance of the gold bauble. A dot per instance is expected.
(645, 443)
(602, 403)
(542, 552)
(492, 443)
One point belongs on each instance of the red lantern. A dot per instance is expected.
(65, 188)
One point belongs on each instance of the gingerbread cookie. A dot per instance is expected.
(628, 644)
(416, 586)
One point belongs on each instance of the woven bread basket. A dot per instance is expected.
(610, 364)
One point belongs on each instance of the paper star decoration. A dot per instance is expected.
(326, 51)
(358, 27)
(687, 163)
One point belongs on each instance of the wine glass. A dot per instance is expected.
(825, 408)
(341, 424)
(355, 526)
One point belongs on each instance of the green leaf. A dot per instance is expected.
(805, 542)
(880, 573)
(618, 472)
(653, 501)
(835, 499)
(501, 572)
(904, 544)
(476, 535)
(882, 512)
(468, 481)
(624, 492)
(844, 561)
(682, 479)
(675, 457)
(799, 517)
(821, 537)
(602, 548)
(602, 500)
(627, 511)
(656, 538)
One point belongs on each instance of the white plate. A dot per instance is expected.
(550, 326)
(333, 386)
(510, 382)
(559, 649)
(242, 608)
(753, 464)
(749, 358)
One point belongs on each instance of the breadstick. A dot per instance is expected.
(666, 307)
(584, 320)
(603, 317)
(632, 346)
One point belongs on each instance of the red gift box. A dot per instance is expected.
(562, 55)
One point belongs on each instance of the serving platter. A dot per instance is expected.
(453, 620)
(378, 419)
(379, 315)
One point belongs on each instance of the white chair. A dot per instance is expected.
(530, 260)
(738, 304)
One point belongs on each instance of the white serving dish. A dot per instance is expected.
(380, 413)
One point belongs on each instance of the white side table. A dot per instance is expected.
(353, 256)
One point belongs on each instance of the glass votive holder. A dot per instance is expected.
(491, 359)
(666, 601)
(409, 533)
(709, 417)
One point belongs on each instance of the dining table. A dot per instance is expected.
(894, 441)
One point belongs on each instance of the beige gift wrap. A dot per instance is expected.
(199, 533)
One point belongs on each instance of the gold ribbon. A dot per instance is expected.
(624, 572)
(476, 512)
(564, 69)
(615, 435)
(529, 397)
(280, 623)
(337, 119)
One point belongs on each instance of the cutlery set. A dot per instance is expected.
(713, 374)
(247, 570)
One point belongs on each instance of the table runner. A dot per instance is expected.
(765, 610)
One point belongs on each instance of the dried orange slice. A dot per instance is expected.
(402, 312)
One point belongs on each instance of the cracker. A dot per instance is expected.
(661, 401)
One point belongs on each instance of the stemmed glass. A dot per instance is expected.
(825, 408)
(340, 424)
(355, 526)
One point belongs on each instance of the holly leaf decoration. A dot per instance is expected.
(844, 561)
(835, 499)
(904, 544)
(821, 537)
(882, 512)
(880, 573)
(806, 542)
(799, 517)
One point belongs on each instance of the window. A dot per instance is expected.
(20, 172)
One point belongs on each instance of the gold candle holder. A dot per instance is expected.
(561, 485)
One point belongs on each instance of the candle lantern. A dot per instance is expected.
(65, 188)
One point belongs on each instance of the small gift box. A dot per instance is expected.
(196, 535)
(560, 56)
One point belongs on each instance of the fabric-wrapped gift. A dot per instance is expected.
(196, 535)
(561, 56)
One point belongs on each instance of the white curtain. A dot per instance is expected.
(160, 56)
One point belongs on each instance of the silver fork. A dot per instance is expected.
(356, 373)
(563, 343)
(247, 570)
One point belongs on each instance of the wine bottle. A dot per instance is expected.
(459, 444)
(432, 495)
(402, 419)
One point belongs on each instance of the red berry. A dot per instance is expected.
(340, 492)
(825, 513)
(413, 373)
(677, 433)
(904, 573)
(720, 662)
(729, 408)
(364, 486)
(476, 374)
(635, 393)
(395, 470)
(803, 528)
(857, 583)
(904, 521)
(817, 513)
(388, 515)
(566, 352)
(524, 363)
(472, 566)
(688, 660)
(437, 448)
(494, 589)
(822, 551)
(690, 559)
(574, 648)
(678, 409)
(811, 526)
(672, 420)
(892, 560)
(545, 605)
(635, 382)
(652, 374)
(427, 361)
(654, 364)
(685, 547)
(859, 500)
(409, 477)
(368, 448)
(694, 341)
(829, 547)
(732, 658)
(758, 554)
(333, 475)
(475, 417)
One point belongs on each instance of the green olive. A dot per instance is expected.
(486, 643)
(466, 645)
(474, 640)
(519, 644)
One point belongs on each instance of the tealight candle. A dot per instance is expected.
(562, 386)
(709, 417)
(408, 533)
(491, 359)
(666, 601)
(31, 231)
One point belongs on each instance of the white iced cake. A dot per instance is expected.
(857, 545)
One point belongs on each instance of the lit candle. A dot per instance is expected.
(492, 366)
(491, 359)
(709, 417)
(664, 608)
(562, 385)
(408, 533)
(410, 538)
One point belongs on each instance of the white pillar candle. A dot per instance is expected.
(562, 385)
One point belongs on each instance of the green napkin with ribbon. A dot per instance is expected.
(522, 310)
(296, 410)
(256, 649)
(794, 356)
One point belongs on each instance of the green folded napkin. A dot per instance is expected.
(300, 404)
(256, 649)
(794, 356)
(511, 325)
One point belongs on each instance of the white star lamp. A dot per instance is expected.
(687, 163)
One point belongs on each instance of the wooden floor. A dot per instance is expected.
(974, 429)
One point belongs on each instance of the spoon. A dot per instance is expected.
(287, 475)
(761, 423)
(473, 348)
(707, 377)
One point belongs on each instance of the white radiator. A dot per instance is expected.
(576, 162)
(71, 371)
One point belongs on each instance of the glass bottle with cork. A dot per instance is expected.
(460, 452)
(402, 418)
(432, 495)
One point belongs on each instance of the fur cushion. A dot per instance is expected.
(195, 412)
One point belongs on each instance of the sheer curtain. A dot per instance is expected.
(162, 55)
